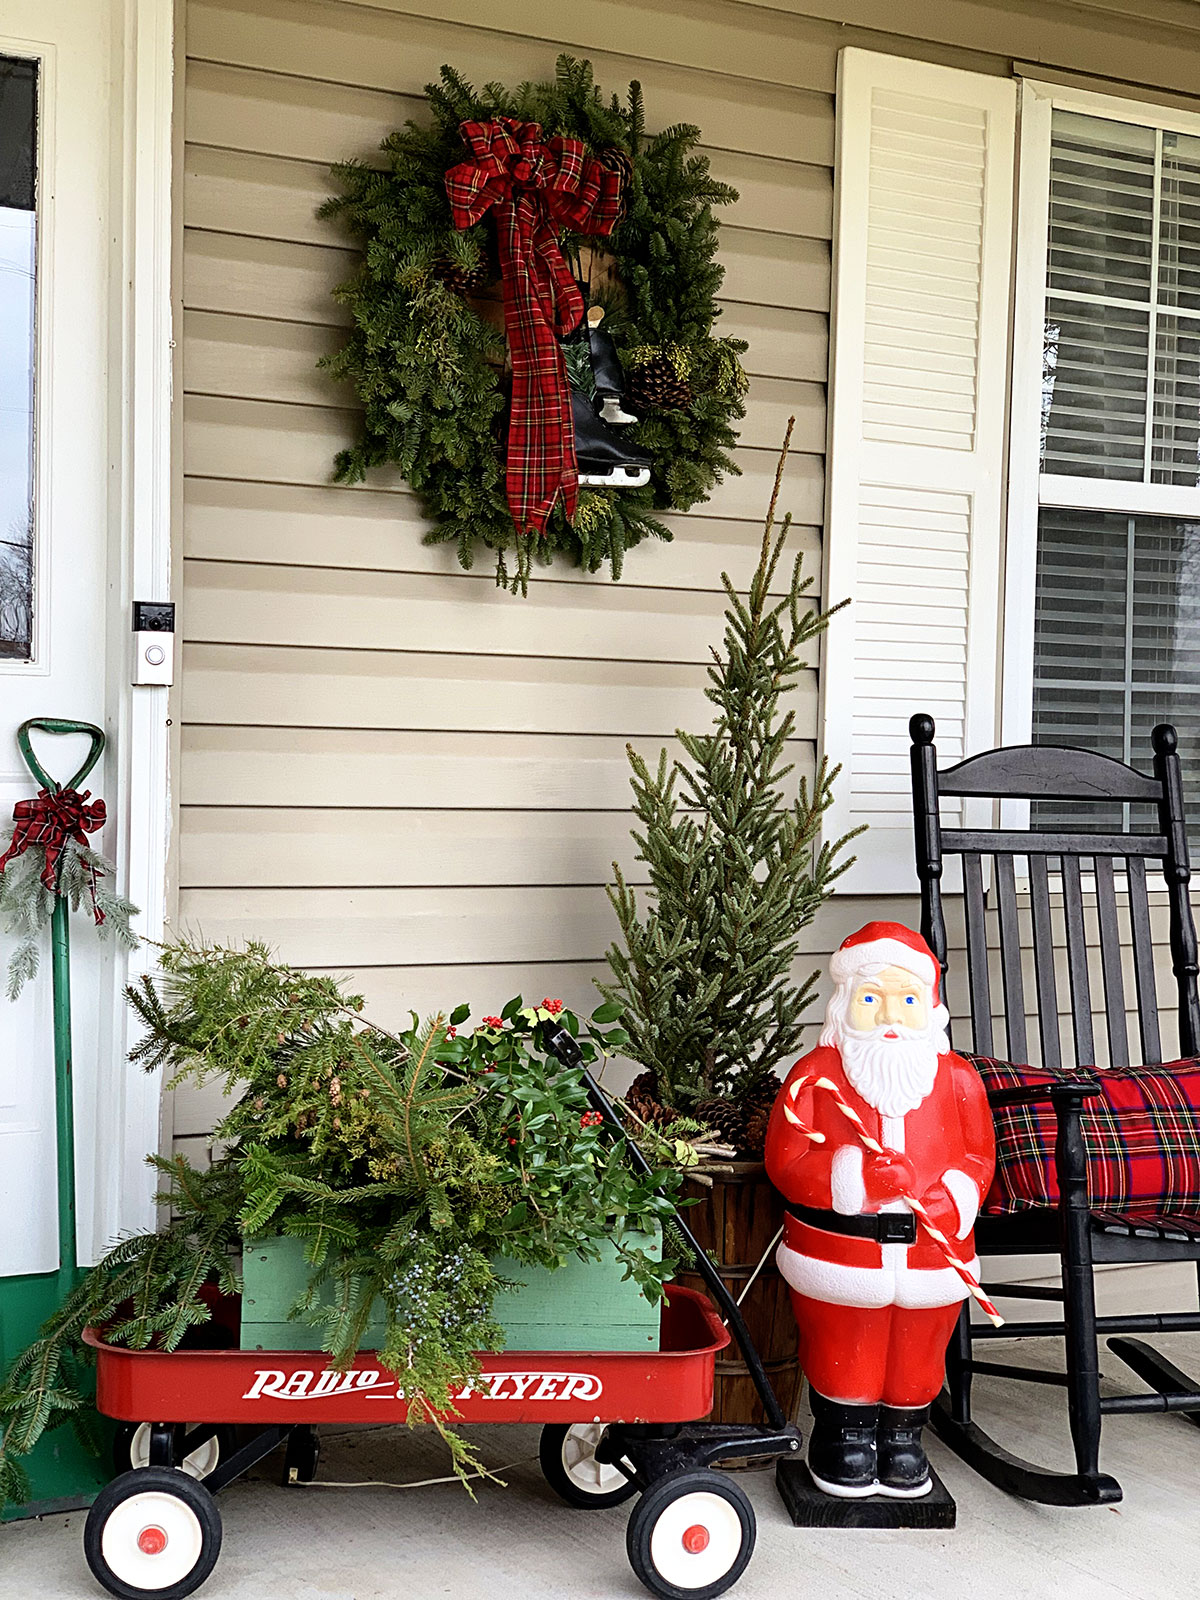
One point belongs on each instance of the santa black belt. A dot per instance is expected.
(885, 1227)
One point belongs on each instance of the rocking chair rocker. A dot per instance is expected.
(1080, 1235)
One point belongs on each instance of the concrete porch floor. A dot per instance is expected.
(522, 1543)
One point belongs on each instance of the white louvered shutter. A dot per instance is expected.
(918, 381)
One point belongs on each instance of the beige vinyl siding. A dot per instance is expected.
(387, 768)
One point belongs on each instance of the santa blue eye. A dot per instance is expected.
(868, 999)
(909, 1000)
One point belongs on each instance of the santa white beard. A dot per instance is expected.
(892, 1074)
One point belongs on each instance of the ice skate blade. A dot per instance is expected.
(616, 478)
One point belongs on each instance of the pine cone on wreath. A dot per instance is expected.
(655, 385)
(618, 161)
(459, 278)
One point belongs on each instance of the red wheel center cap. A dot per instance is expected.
(695, 1539)
(152, 1541)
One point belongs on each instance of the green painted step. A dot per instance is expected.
(584, 1305)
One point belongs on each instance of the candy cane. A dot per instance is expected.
(811, 1133)
(915, 1206)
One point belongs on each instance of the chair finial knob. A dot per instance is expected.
(1164, 740)
(921, 728)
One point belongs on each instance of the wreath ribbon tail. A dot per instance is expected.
(540, 300)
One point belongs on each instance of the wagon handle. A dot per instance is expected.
(565, 1047)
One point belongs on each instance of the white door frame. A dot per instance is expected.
(140, 567)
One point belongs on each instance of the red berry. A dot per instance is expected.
(493, 1022)
(552, 1006)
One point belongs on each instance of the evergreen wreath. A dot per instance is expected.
(428, 364)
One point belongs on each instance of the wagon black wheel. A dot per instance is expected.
(302, 1456)
(152, 1534)
(568, 1455)
(691, 1535)
(131, 1449)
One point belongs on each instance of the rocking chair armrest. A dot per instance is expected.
(1063, 1092)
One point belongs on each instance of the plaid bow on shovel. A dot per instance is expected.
(49, 820)
(533, 188)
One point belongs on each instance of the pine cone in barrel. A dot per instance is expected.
(642, 1099)
(756, 1109)
(654, 385)
(726, 1118)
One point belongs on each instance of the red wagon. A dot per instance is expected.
(614, 1424)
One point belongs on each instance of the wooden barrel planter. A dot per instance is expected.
(735, 1221)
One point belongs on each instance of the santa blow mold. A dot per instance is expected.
(881, 1143)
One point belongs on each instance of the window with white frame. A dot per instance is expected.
(1047, 587)
(1116, 624)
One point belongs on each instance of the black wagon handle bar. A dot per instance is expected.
(565, 1047)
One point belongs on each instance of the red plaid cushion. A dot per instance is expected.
(1141, 1132)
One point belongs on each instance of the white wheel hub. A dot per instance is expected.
(198, 1464)
(579, 1460)
(152, 1540)
(696, 1540)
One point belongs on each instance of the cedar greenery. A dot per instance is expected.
(406, 1162)
(703, 976)
(84, 878)
(427, 366)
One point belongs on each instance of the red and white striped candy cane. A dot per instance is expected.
(911, 1201)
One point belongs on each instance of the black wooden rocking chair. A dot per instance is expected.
(1071, 1230)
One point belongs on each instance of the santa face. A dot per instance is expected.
(882, 1025)
(891, 999)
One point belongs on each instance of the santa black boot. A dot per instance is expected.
(841, 1448)
(903, 1464)
(605, 460)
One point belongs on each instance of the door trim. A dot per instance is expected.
(141, 525)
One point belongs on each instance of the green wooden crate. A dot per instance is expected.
(585, 1305)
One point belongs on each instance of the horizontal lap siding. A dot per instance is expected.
(388, 769)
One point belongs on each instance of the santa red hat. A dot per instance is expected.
(885, 944)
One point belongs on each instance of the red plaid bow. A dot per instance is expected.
(49, 821)
(534, 188)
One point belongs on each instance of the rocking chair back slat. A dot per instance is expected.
(1077, 962)
(1011, 958)
(977, 953)
(1110, 963)
(1043, 960)
(1074, 866)
(1143, 960)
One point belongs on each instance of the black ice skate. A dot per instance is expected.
(605, 461)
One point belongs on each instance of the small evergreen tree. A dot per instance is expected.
(703, 976)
